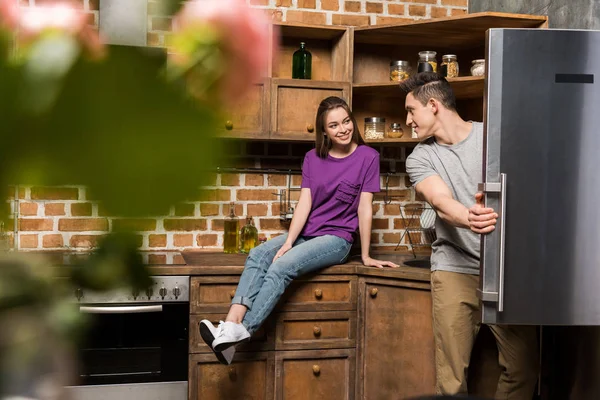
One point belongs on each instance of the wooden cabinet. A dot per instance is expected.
(251, 377)
(315, 375)
(249, 116)
(310, 339)
(353, 63)
(396, 350)
(294, 105)
(347, 332)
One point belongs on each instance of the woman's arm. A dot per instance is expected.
(298, 220)
(365, 219)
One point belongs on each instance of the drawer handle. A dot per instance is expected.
(232, 294)
(317, 331)
(310, 128)
(318, 294)
(316, 370)
(374, 292)
(232, 373)
(229, 125)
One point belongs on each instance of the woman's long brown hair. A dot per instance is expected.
(322, 143)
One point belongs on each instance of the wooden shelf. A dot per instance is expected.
(402, 140)
(302, 31)
(451, 32)
(465, 87)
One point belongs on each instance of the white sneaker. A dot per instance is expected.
(230, 334)
(208, 332)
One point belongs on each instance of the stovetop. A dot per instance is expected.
(165, 289)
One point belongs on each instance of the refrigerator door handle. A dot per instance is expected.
(497, 187)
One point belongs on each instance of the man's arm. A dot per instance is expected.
(477, 218)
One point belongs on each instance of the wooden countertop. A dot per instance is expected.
(212, 263)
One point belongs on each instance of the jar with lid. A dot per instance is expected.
(374, 128)
(399, 70)
(395, 131)
(478, 67)
(427, 61)
(449, 66)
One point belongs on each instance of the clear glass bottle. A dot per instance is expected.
(427, 61)
(399, 70)
(374, 128)
(248, 236)
(302, 63)
(449, 66)
(231, 234)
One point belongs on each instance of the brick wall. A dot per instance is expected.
(64, 218)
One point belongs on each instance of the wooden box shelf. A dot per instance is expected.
(353, 63)
(330, 48)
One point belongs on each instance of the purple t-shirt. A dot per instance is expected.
(335, 185)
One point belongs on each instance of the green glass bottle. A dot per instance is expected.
(248, 236)
(302, 63)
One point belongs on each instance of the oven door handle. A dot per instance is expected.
(121, 309)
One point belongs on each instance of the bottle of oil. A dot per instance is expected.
(231, 226)
(248, 236)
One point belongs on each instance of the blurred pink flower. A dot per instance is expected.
(32, 22)
(244, 36)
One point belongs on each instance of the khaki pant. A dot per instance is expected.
(456, 322)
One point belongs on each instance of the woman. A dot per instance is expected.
(339, 178)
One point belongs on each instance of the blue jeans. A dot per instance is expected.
(263, 281)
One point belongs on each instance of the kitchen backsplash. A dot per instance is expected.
(66, 218)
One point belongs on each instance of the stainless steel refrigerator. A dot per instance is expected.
(541, 172)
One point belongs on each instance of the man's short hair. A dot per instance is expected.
(428, 85)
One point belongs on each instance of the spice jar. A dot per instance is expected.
(478, 67)
(449, 66)
(427, 61)
(395, 131)
(374, 128)
(399, 70)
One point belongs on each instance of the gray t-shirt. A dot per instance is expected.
(459, 165)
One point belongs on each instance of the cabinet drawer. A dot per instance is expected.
(212, 294)
(249, 377)
(321, 293)
(262, 340)
(294, 106)
(308, 330)
(315, 375)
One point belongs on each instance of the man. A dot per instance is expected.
(445, 169)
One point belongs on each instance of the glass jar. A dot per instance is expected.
(449, 66)
(399, 70)
(478, 67)
(427, 61)
(395, 131)
(374, 128)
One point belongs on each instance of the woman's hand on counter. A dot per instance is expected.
(371, 262)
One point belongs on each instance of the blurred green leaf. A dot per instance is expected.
(116, 263)
(136, 141)
(48, 61)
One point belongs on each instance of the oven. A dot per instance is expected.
(137, 344)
